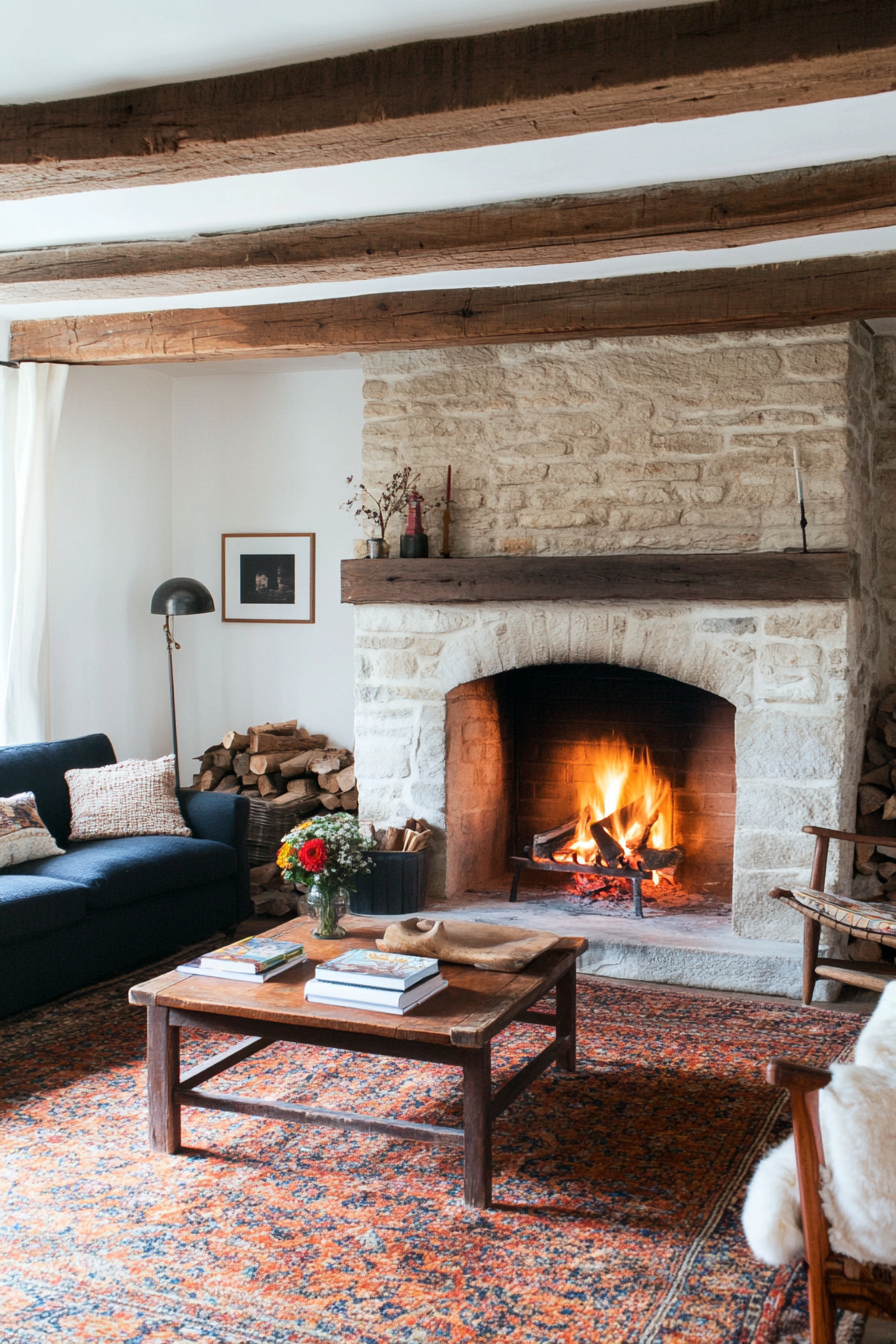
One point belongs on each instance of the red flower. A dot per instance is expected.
(313, 856)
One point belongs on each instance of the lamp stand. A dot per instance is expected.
(172, 645)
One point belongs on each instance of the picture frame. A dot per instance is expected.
(268, 577)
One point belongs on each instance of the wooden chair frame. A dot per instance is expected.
(835, 1281)
(817, 968)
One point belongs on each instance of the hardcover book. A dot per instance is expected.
(343, 996)
(389, 970)
(224, 970)
(255, 954)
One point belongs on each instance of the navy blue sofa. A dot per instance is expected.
(105, 905)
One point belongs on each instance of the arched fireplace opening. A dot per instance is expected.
(527, 748)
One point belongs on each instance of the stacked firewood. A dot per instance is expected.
(876, 868)
(281, 764)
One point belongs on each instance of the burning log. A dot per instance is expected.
(546, 843)
(654, 860)
(610, 850)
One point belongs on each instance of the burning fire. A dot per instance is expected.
(630, 799)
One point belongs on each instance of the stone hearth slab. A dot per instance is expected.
(698, 949)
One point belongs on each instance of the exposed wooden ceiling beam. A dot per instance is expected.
(688, 215)
(551, 79)
(805, 293)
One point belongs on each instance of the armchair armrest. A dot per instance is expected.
(850, 837)
(796, 1076)
(223, 817)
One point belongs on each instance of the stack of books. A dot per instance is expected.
(384, 981)
(252, 960)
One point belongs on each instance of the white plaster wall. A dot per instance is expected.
(110, 544)
(266, 452)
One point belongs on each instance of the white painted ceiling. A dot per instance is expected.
(60, 49)
(54, 49)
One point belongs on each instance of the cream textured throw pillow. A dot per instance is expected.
(23, 835)
(130, 798)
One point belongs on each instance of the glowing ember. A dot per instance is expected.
(631, 803)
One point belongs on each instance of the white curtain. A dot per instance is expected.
(30, 406)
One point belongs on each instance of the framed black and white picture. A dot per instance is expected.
(268, 576)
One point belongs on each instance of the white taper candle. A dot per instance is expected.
(799, 476)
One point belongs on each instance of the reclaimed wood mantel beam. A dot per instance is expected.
(550, 79)
(791, 294)
(732, 212)
(751, 576)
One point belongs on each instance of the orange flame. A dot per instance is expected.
(630, 797)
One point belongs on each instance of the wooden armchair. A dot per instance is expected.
(837, 914)
(835, 1281)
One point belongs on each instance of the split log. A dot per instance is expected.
(394, 839)
(328, 762)
(298, 765)
(302, 806)
(416, 841)
(236, 789)
(211, 778)
(251, 793)
(889, 811)
(863, 853)
(890, 733)
(287, 727)
(886, 871)
(270, 786)
(302, 788)
(281, 742)
(249, 780)
(877, 752)
(241, 761)
(610, 850)
(349, 800)
(330, 801)
(263, 763)
(227, 783)
(655, 859)
(345, 780)
(880, 776)
(328, 783)
(221, 758)
(265, 875)
(871, 798)
(235, 741)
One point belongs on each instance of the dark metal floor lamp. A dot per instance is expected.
(178, 597)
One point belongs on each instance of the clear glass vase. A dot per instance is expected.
(327, 904)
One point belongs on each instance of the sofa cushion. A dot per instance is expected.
(39, 768)
(31, 905)
(118, 872)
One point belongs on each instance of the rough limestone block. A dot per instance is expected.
(772, 744)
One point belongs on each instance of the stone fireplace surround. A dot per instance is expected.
(632, 445)
(797, 761)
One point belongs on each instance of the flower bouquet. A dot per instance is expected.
(324, 854)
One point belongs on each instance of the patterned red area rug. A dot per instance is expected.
(617, 1190)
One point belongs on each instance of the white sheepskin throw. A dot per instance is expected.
(857, 1112)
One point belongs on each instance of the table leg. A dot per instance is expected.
(163, 1075)
(566, 1018)
(478, 1128)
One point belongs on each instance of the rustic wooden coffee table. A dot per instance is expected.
(456, 1026)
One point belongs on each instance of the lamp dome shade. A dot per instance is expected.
(181, 597)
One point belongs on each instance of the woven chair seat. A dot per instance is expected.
(873, 921)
